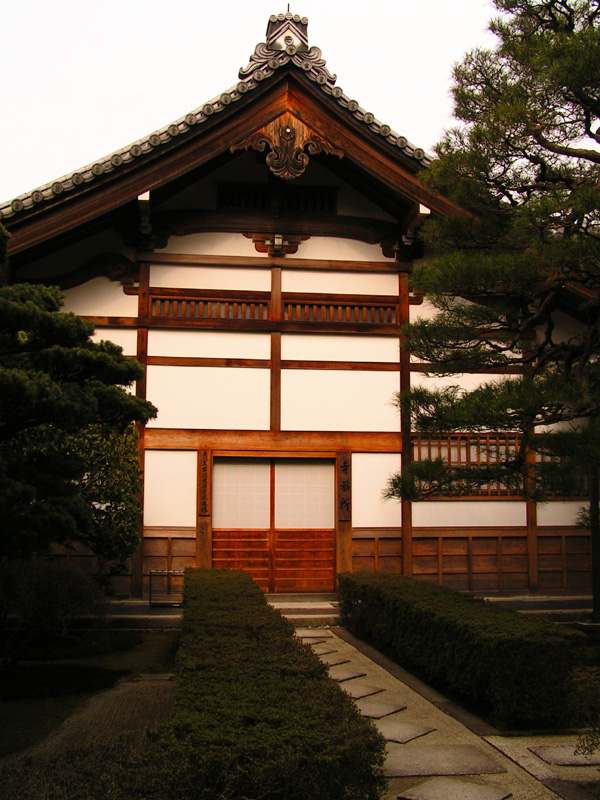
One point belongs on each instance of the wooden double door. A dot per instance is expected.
(275, 519)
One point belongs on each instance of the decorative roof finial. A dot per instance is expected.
(287, 31)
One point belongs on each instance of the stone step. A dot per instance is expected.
(309, 610)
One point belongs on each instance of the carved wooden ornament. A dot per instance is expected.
(287, 139)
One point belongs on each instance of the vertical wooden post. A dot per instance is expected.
(137, 560)
(343, 550)
(204, 531)
(276, 314)
(405, 427)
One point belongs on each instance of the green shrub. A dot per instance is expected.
(515, 667)
(255, 717)
(42, 600)
(258, 704)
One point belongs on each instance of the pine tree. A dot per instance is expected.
(525, 167)
(55, 383)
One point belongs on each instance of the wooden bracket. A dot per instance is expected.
(276, 244)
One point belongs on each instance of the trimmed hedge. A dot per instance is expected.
(255, 716)
(516, 667)
(255, 706)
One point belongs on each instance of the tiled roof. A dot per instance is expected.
(286, 44)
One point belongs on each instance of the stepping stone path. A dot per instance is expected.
(442, 760)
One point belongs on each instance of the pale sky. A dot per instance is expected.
(83, 78)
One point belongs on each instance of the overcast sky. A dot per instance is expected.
(83, 78)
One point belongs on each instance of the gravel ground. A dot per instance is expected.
(130, 706)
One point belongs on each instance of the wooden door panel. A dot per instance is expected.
(304, 561)
(243, 549)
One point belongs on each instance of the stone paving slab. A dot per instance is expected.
(358, 690)
(333, 659)
(323, 648)
(521, 750)
(344, 673)
(396, 731)
(457, 759)
(565, 756)
(452, 789)
(314, 633)
(375, 709)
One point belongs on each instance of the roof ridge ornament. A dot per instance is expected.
(286, 140)
(286, 31)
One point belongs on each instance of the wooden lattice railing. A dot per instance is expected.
(208, 308)
(380, 313)
(478, 449)
(298, 310)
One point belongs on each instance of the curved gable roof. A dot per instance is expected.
(286, 47)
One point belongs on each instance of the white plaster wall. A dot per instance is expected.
(209, 397)
(208, 344)
(170, 480)
(559, 513)
(425, 310)
(212, 244)
(124, 337)
(339, 400)
(325, 247)
(339, 348)
(370, 473)
(100, 297)
(466, 381)
(469, 513)
(181, 277)
(339, 282)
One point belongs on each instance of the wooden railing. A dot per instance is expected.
(319, 311)
(208, 308)
(470, 450)
(479, 450)
(302, 310)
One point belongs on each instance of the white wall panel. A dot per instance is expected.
(469, 513)
(340, 282)
(301, 347)
(324, 247)
(370, 473)
(124, 337)
(559, 513)
(209, 344)
(100, 297)
(170, 481)
(178, 277)
(209, 397)
(338, 400)
(209, 244)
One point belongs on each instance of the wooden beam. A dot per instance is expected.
(267, 263)
(277, 441)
